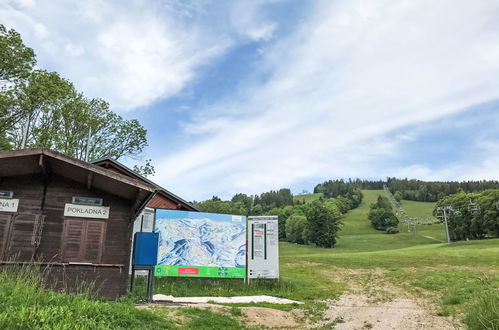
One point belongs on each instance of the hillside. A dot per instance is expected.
(358, 235)
(415, 281)
(307, 198)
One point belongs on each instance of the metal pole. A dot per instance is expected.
(88, 144)
(25, 132)
(446, 226)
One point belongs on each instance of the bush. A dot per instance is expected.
(392, 230)
(296, 226)
(381, 219)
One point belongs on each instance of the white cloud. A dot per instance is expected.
(248, 20)
(352, 72)
(136, 53)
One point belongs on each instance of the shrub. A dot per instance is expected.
(392, 230)
(381, 219)
(296, 228)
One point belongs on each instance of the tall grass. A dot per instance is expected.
(26, 304)
(484, 311)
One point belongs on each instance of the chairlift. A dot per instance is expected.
(457, 213)
(473, 208)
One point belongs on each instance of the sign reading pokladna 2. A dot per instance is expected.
(263, 247)
(86, 211)
(197, 244)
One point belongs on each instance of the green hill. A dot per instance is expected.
(308, 198)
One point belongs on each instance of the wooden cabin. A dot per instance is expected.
(73, 216)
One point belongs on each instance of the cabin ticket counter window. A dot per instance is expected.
(83, 240)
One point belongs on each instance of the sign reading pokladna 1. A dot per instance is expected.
(86, 211)
(263, 247)
(9, 205)
(197, 244)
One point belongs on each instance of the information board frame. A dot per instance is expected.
(215, 244)
(263, 247)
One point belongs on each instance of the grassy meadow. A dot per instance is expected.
(452, 276)
(460, 279)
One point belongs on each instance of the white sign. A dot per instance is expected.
(86, 211)
(9, 205)
(263, 247)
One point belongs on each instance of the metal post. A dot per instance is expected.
(150, 283)
(88, 144)
(446, 226)
(25, 132)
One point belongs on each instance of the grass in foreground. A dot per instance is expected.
(25, 304)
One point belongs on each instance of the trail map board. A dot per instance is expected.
(197, 244)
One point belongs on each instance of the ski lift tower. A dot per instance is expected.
(443, 213)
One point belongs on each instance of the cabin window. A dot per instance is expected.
(83, 240)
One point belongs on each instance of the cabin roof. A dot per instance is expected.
(123, 169)
(46, 161)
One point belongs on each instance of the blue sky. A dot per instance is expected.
(253, 95)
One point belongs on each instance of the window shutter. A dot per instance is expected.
(21, 234)
(93, 241)
(4, 230)
(73, 237)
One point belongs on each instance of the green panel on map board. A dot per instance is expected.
(201, 271)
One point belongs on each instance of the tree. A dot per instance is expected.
(397, 196)
(296, 226)
(246, 200)
(382, 219)
(16, 60)
(145, 170)
(324, 224)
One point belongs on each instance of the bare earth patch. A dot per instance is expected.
(269, 318)
(357, 311)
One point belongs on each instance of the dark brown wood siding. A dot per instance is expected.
(104, 242)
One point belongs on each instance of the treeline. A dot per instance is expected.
(42, 109)
(340, 188)
(472, 215)
(248, 204)
(415, 190)
(317, 222)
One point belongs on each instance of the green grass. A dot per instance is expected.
(25, 304)
(450, 275)
(308, 198)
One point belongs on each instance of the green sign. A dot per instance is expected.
(200, 271)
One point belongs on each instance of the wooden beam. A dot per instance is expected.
(41, 163)
(90, 178)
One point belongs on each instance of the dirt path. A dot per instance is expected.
(357, 311)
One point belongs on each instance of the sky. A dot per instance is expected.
(253, 95)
